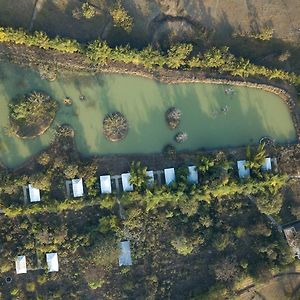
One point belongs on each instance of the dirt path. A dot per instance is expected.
(37, 8)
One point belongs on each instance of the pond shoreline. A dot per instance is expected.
(54, 61)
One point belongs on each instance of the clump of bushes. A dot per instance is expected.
(181, 137)
(115, 127)
(31, 115)
(173, 116)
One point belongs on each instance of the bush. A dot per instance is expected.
(96, 284)
(88, 11)
(121, 17)
(173, 116)
(181, 137)
(30, 287)
(115, 127)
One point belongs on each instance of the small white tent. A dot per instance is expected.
(267, 166)
(34, 194)
(105, 184)
(21, 267)
(243, 172)
(77, 187)
(125, 255)
(52, 262)
(193, 175)
(127, 187)
(169, 176)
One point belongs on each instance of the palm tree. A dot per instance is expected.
(138, 176)
(204, 164)
(255, 161)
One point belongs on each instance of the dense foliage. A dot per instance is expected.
(178, 56)
(121, 18)
(31, 114)
(115, 126)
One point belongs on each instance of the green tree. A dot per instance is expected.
(88, 11)
(138, 176)
(121, 18)
(178, 54)
(269, 204)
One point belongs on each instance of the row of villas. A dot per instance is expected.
(75, 189)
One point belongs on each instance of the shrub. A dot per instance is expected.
(96, 284)
(121, 17)
(30, 287)
(88, 11)
(173, 116)
(115, 127)
(181, 137)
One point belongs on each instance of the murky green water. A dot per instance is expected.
(251, 113)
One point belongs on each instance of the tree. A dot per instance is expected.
(226, 269)
(138, 176)
(182, 245)
(256, 160)
(178, 54)
(269, 204)
(71, 171)
(121, 18)
(204, 163)
(88, 11)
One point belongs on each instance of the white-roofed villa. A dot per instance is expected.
(125, 254)
(31, 193)
(105, 184)
(52, 262)
(127, 187)
(192, 175)
(243, 171)
(75, 187)
(21, 267)
(169, 176)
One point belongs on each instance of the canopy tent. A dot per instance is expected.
(105, 184)
(193, 175)
(34, 194)
(127, 187)
(267, 166)
(52, 262)
(125, 255)
(169, 175)
(21, 267)
(77, 187)
(243, 172)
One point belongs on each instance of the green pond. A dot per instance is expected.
(211, 117)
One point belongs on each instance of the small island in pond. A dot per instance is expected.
(31, 115)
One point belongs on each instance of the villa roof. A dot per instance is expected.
(243, 172)
(52, 262)
(193, 175)
(105, 184)
(150, 174)
(34, 194)
(267, 166)
(127, 187)
(169, 175)
(77, 187)
(21, 264)
(125, 255)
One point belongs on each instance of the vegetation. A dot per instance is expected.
(181, 137)
(32, 114)
(212, 223)
(88, 11)
(178, 56)
(115, 127)
(173, 116)
(121, 18)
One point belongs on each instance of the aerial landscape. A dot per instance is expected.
(149, 149)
